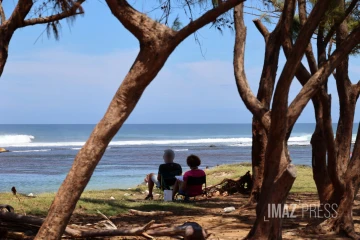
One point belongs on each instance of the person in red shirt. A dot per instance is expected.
(181, 187)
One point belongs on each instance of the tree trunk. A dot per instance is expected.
(344, 171)
(320, 146)
(147, 65)
(342, 222)
(266, 88)
(273, 194)
(4, 45)
(259, 143)
(320, 175)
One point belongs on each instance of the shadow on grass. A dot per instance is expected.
(122, 206)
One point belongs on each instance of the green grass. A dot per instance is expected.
(303, 183)
(91, 201)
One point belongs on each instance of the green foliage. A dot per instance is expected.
(295, 27)
(53, 7)
(277, 5)
(176, 25)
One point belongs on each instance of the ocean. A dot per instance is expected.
(41, 155)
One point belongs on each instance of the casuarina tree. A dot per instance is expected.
(278, 121)
(157, 41)
(27, 13)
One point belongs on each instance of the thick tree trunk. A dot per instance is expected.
(259, 143)
(342, 222)
(319, 166)
(268, 225)
(148, 63)
(322, 147)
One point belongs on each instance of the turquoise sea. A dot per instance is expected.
(41, 155)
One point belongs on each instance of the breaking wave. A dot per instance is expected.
(38, 150)
(14, 139)
(27, 141)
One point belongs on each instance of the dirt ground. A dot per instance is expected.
(234, 225)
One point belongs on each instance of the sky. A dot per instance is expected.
(72, 81)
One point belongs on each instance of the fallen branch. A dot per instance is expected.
(28, 220)
(112, 225)
(190, 230)
(152, 213)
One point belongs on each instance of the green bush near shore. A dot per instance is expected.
(91, 201)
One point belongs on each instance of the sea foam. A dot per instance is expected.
(26, 141)
(13, 139)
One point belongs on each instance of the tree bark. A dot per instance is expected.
(3, 53)
(265, 91)
(269, 227)
(258, 149)
(343, 221)
(6, 32)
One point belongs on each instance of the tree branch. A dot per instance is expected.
(356, 150)
(56, 17)
(319, 78)
(280, 102)
(342, 19)
(19, 14)
(358, 88)
(140, 25)
(262, 29)
(271, 60)
(308, 52)
(2, 14)
(206, 18)
(251, 102)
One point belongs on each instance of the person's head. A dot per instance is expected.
(193, 161)
(169, 156)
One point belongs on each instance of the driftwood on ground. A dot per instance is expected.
(189, 231)
(230, 186)
(152, 213)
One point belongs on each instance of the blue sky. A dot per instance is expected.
(74, 79)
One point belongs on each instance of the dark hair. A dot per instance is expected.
(193, 161)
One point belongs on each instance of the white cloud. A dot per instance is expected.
(59, 64)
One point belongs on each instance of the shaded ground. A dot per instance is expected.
(235, 225)
(207, 212)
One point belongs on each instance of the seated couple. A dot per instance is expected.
(169, 176)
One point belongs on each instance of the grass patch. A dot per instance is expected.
(126, 199)
(303, 183)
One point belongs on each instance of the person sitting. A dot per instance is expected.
(182, 187)
(167, 170)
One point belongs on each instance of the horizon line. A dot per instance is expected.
(145, 123)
